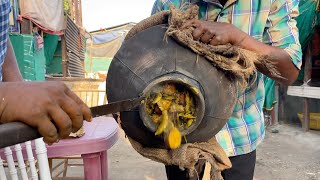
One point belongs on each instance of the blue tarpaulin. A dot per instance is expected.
(107, 36)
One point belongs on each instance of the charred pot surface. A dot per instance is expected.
(143, 60)
(177, 79)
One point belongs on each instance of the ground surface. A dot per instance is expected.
(288, 155)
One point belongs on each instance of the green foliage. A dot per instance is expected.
(67, 6)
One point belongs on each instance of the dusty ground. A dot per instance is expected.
(288, 155)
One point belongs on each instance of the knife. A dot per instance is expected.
(17, 132)
(125, 105)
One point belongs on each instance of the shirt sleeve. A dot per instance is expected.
(161, 5)
(281, 30)
(157, 7)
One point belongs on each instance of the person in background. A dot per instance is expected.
(50, 107)
(267, 28)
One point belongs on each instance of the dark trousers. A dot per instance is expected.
(242, 169)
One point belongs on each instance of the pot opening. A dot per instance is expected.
(172, 102)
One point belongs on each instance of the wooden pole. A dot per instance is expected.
(64, 56)
(80, 13)
(282, 92)
(276, 107)
(91, 44)
(306, 115)
(76, 12)
(72, 10)
(307, 76)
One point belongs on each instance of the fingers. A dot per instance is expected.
(216, 40)
(211, 32)
(47, 129)
(206, 37)
(83, 107)
(73, 110)
(199, 29)
(63, 122)
(198, 32)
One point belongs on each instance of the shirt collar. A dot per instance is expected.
(212, 1)
(229, 2)
(208, 1)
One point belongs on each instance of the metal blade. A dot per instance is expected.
(115, 107)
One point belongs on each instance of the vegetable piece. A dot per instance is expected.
(189, 123)
(188, 103)
(182, 99)
(169, 98)
(176, 108)
(173, 139)
(169, 89)
(164, 104)
(188, 116)
(163, 124)
(157, 98)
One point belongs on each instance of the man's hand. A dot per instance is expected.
(50, 107)
(215, 33)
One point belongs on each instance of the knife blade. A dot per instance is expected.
(115, 107)
(17, 132)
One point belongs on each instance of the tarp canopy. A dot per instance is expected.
(104, 50)
(105, 43)
(107, 36)
(48, 15)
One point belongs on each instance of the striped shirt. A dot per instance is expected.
(4, 30)
(269, 21)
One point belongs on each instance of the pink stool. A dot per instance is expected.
(100, 135)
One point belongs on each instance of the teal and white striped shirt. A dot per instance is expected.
(269, 21)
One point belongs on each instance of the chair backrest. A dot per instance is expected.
(13, 165)
(92, 97)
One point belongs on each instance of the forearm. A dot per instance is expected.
(10, 69)
(279, 57)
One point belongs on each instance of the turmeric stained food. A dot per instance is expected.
(172, 108)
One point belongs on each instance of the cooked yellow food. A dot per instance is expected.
(173, 139)
(172, 108)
